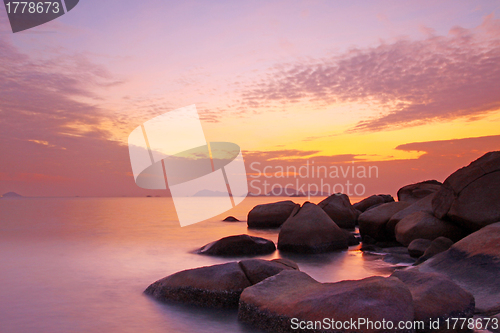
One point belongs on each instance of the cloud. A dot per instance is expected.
(414, 82)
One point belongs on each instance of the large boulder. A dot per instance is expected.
(414, 192)
(339, 208)
(238, 245)
(423, 205)
(311, 230)
(281, 302)
(215, 286)
(373, 222)
(271, 215)
(373, 200)
(426, 226)
(471, 196)
(474, 264)
(436, 297)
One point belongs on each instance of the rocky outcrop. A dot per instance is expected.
(427, 226)
(474, 264)
(437, 246)
(436, 297)
(373, 222)
(414, 192)
(423, 205)
(217, 286)
(271, 304)
(418, 247)
(238, 245)
(373, 200)
(271, 215)
(311, 230)
(470, 197)
(339, 208)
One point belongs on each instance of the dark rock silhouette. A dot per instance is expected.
(238, 245)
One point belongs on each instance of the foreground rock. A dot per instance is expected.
(437, 246)
(239, 245)
(339, 208)
(272, 304)
(373, 222)
(271, 215)
(474, 264)
(311, 230)
(217, 286)
(414, 192)
(427, 226)
(418, 247)
(470, 196)
(373, 200)
(436, 297)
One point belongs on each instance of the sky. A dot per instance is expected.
(411, 88)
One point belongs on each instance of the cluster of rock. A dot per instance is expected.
(452, 229)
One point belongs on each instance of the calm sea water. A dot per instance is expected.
(81, 264)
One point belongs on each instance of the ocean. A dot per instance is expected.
(82, 264)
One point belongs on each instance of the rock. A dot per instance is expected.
(351, 238)
(414, 192)
(426, 226)
(470, 197)
(217, 286)
(474, 264)
(339, 208)
(271, 215)
(373, 222)
(231, 219)
(11, 195)
(418, 246)
(423, 205)
(311, 230)
(271, 304)
(372, 200)
(238, 245)
(436, 297)
(437, 246)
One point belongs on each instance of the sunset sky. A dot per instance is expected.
(412, 87)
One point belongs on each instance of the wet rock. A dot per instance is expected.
(437, 246)
(373, 200)
(238, 245)
(427, 226)
(339, 208)
(271, 304)
(373, 222)
(418, 247)
(474, 264)
(436, 297)
(217, 286)
(414, 192)
(271, 215)
(231, 219)
(470, 197)
(311, 230)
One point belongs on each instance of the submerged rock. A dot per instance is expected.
(238, 245)
(339, 208)
(271, 215)
(470, 197)
(311, 230)
(272, 304)
(217, 286)
(414, 192)
(474, 264)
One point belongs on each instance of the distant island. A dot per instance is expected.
(289, 192)
(209, 193)
(12, 195)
